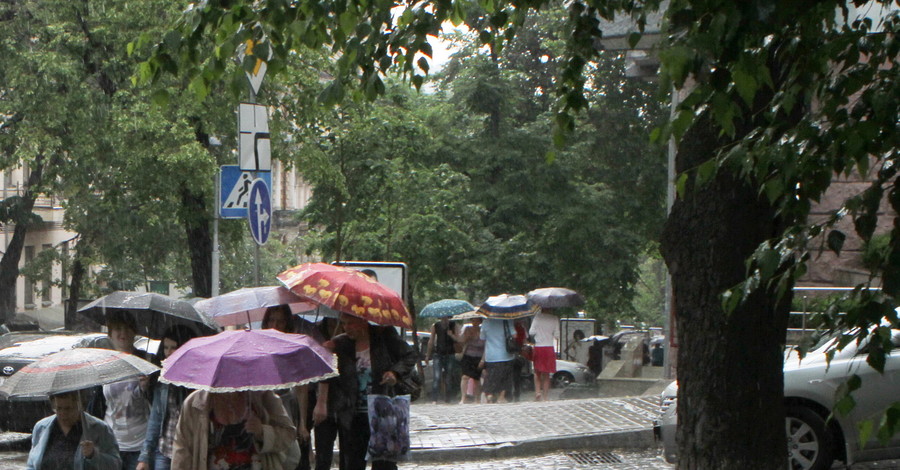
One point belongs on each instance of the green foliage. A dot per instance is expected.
(120, 165)
(801, 94)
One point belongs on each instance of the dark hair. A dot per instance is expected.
(180, 334)
(284, 309)
(121, 319)
(371, 273)
(578, 334)
(75, 395)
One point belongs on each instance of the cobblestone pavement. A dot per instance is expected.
(454, 426)
(617, 459)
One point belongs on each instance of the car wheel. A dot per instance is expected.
(809, 440)
(562, 379)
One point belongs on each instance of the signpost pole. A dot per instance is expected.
(253, 131)
(256, 251)
(215, 248)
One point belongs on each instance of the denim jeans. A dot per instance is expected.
(129, 459)
(443, 367)
(161, 462)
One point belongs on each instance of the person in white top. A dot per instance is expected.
(545, 330)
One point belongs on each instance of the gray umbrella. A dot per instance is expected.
(153, 313)
(74, 369)
(555, 297)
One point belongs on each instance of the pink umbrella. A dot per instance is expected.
(240, 360)
(249, 304)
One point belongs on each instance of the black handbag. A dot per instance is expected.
(410, 384)
(512, 346)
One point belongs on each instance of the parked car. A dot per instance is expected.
(814, 440)
(567, 372)
(18, 349)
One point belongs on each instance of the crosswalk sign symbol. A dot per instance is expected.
(234, 199)
(240, 193)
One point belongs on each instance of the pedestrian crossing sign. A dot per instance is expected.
(235, 184)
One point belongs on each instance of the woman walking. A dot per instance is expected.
(545, 329)
(473, 352)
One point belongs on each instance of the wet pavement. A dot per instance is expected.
(454, 432)
(613, 433)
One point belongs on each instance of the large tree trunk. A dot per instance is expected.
(9, 264)
(730, 399)
(75, 321)
(195, 217)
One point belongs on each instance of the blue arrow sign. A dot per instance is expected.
(234, 197)
(259, 214)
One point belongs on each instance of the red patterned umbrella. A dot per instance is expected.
(347, 290)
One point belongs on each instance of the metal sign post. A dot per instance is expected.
(247, 194)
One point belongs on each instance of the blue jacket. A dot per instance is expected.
(159, 414)
(106, 450)
(155, 423)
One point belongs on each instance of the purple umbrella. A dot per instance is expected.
(239, 360)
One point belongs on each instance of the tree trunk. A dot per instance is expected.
(9, 264)
(730, 398)
(195, 217)
(74, 321)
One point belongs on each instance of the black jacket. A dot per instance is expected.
(388, 352)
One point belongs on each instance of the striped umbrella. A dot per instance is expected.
(508, 307)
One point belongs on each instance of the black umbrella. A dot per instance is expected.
(153, 313)
(555, 297)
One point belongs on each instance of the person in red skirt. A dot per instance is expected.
(545, 330)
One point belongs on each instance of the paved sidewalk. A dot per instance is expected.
(446, 433)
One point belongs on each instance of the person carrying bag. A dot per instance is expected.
(372, 361)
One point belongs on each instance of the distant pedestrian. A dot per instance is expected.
(521, 364)
(233, 430)
(472, 354)
(545, 329)
(72, 439)
(441, 351)
(497, 362)
(156, 453)
(595, 356)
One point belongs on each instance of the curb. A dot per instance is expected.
(637, 438)
(15, 443)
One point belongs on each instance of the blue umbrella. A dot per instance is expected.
(508, 307)
(446, 308)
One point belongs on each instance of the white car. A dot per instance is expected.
(814, 441)
(568, 372)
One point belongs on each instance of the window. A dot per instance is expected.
(29, 286)
(46, 282)
(64, 269)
